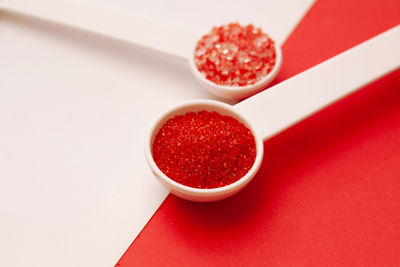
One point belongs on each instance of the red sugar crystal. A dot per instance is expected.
(204, 149)
(235, 55)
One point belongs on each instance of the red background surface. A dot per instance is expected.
(328, 191)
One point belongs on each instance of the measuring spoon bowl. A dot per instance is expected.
(237, 92)
(198, 194)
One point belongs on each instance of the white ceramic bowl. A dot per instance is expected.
(196, 194)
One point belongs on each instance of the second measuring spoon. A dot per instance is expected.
(231, 61)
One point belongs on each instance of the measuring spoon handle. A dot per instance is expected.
(160, 36)
(291, 101)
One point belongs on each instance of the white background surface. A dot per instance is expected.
(74, 109)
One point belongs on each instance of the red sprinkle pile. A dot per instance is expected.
(235, 55)
(204, 149)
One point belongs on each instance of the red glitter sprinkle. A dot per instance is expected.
(235, 55)
(204, 149)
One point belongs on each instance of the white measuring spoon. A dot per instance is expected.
(272, 111)
(160, 36)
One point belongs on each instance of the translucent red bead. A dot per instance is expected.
(204, 149)
(235, 55)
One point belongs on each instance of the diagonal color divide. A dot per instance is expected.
(325, 195)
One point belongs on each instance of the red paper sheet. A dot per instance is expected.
(328, 191)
